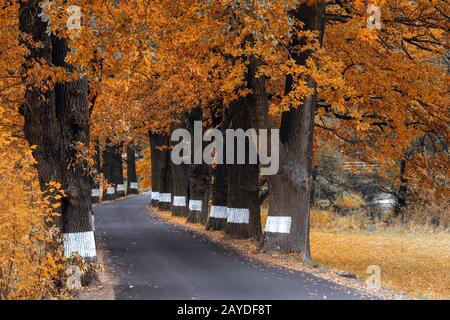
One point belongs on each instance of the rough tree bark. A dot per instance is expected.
(117, 171)
(132, 180)
(287, 227)
(41, 127)
(243, 214)
(243, 180)
(73, 115)
(57, 123)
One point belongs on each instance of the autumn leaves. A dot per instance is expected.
(140, 70)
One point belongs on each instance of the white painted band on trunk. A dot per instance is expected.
(278, 224)
(155, 195)
(165, 197)
(219, 212)
(238, 215)
(134, 185)
(179, 201)
(110, 191)
(120, 187)
(81, 242)
(195, 205)
(95, 192)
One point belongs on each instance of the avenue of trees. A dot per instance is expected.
(75, 99)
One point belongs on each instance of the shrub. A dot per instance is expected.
(30, 252)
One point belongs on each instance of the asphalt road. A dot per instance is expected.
(154, 260)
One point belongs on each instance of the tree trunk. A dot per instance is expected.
(243, 218)
(57, 123)
(180, 180)
(41, 126)
(219, 195)
(243, 214)
(157, 165)
(95, 184)
(287, 227)
(132, 181)
(166, 189)
(73, 115)
(198, 194)
(109, 193)
(180, 189)
(217, 218)
(117, 171)
(402, 191)
(198, 181)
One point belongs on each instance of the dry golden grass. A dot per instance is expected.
(418, 265)
(413, 258)
(359, 221)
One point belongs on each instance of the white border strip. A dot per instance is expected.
(219, 212)
(165, 197)
(110, 191)
(195, 205)
(81, 242)
(134, 185)
(155, 195)
(238, 215)
(179, 201)
(95, 192)
(278, 224)
(120, 187)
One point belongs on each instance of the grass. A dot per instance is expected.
(416, 264)
(413, 259)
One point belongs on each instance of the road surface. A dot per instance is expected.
(151, 259)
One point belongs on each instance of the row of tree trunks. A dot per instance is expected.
(287, 227)
(117, 171)
(112, 168)
(56, 121)
(234, 188)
